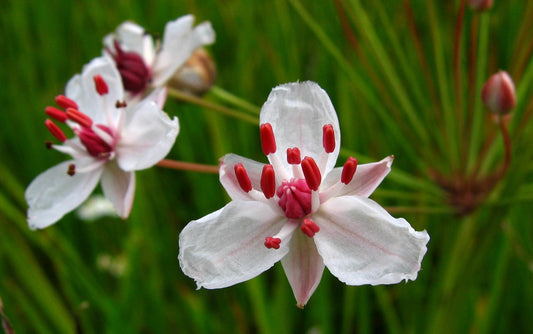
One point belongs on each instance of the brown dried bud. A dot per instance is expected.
(499, 94)
(197, 75)
(480, 5)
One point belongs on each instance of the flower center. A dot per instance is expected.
(294, 198)
(133, 70)
(94, 144)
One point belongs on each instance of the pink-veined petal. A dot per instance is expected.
(147, 136)
(119, 188)
(227, 247)
(53, 193)
(298, 113)
(303, 267)
(229, 181)
(81, 89)
(366, 179)
(180, 40)
(361, 243)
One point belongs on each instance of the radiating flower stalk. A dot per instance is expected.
(6, 325)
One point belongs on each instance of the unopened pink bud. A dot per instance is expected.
(480, 5)
(499, 94)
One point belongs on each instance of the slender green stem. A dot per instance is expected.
(213, 106)
(234, 100)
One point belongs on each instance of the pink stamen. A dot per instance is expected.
(268, 181)
(348, 170)
(79, 117)
(309, 228)
(242, 177)
(311, 173)
(328, 138)
(55, 130)
(293, 156)
(272, 242)
(64, 102)
(100, 85)
(268, 142)
(57, 114)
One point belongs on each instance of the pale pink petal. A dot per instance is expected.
(303, 267)
(229, 181)
(81, 89)
(226, 247)
(361, 243)
(298, 113)
(53, 193)
(365, 180)
(180, 40)
(119, 188)
(147, 136)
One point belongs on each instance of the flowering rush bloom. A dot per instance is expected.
(300, 209)
(141, 64)
(111, 140)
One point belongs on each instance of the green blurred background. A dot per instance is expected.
(404, 77)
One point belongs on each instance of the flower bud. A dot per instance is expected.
(499, 94)
(480, 5)
(197, 75)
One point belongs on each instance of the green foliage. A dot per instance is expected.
(389, 69)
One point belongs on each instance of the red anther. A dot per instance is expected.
(71, 169)
(311, 173)
(64, 102)
(100, 85)
(309, 228)
(328, 138)
(57, 114)
(242, 177)
(55, 130)
(268, 181)
(268, 142)
(272, 242)
(293, 156)
(348, 170)
(79, 117)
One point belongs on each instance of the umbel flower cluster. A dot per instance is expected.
(299, 208)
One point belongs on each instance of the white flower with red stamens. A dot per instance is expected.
(303, 212)
(111, 141)
(141, 64)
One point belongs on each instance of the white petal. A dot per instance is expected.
(81, 89)
(54, 193)
(147, 136)
(119, 188)
(227, 247)
(361, 243)
(303, 267)
(229, 181)
(297, 113)
(180, 40)
(366, 179)
(132, 38)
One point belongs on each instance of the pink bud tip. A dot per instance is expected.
(268, 142)
(268, 181)
(57, 114)
(498, 93)
(293, 156)
(311, 173)
(328, 138)
(480, 5)
(309, 228)
(272, 242)
(55, 130)
(79, 117)
(348, 170)
(100, 85)
(64, 102)
(242, 177)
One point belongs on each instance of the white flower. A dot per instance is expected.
(142, 64)
(111, 141)
(303, 212)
